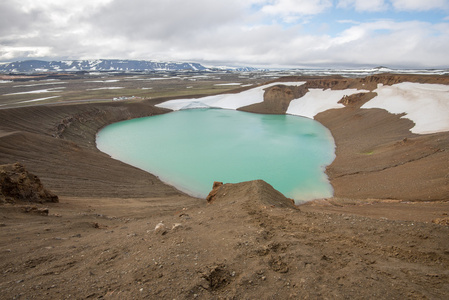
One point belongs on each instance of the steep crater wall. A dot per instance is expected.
(57, 143)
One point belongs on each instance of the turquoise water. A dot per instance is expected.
(191, 149)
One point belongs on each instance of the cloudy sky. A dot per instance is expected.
(271, 33)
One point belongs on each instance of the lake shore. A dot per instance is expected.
(99, 240)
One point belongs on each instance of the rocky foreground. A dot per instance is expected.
(118, 232)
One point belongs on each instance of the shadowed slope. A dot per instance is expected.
(57, 143)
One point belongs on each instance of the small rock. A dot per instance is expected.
(184, 216)
(160, 229)
(441, 221)
(177, 226)
(35, 210)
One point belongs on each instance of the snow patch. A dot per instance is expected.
(38, 84)
(104, 81)
(52, 90)
(225, 84)
(319, 100)
(427, 105)
(39, 99)
(107, 88)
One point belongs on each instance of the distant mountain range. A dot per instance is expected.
(120, 65)
(32, 66)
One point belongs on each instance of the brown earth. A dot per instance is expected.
(374, 239)
(277, 99)
(17, 184)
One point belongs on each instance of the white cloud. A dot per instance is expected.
(393, 43)
(165, 19)
(234, 32)
(9, 53)
(364, 5)
(420, 5)
(348, 22)
(13, 19)
(68, 7)
(291, 10)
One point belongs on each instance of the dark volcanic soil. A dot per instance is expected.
(99, 241)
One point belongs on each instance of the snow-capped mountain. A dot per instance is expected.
(97, 65)
(236, 69)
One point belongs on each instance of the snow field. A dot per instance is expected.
(427, 105)
(319, 100)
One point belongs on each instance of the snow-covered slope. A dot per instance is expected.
(427, 105)
(318, 100)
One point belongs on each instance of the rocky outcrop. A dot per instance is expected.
(365, 83)
(277, 99)
(390, 79)
(17, 184)
(216, 186)
(256, 192)
(335, 84)
(357, 100)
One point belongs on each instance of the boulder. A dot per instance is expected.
(160, 229)
(17, 184)
(213, 193)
